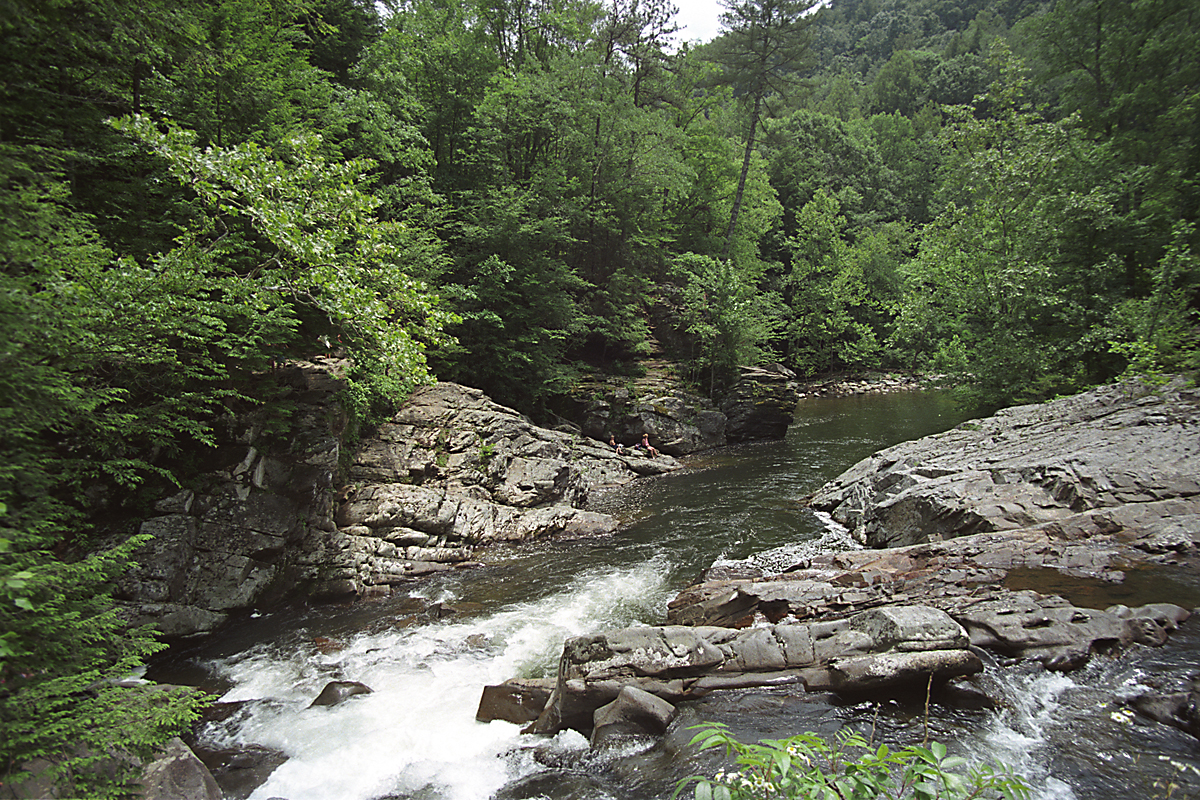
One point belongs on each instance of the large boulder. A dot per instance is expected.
(1115, 446)
(453, 471)
(177, 774)
(517, 700)
(762, 404)
(676, 421)
(633, 713)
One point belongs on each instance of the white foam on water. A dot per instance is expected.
(1018, 736)
(834, 538)
(416, 730)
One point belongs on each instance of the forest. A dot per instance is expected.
(519, 194)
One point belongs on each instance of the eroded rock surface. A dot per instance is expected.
(966, 578)
(871, 650)
(256, 525)
(677, 422)
(452, 471)
(1112, 447)
(762, 404)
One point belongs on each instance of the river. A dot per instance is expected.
(415, 737)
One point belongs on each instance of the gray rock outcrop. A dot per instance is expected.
(452, 471)
(1112, 447)
(677, 422)
(252, 528)
(966, 578)
(177, 774)
(762, 404)
(875, 649)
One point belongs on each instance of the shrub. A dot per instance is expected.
(807, 766)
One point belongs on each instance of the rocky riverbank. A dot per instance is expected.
(453, 471)
(1089, 488)
(870, 383)
(287, 512)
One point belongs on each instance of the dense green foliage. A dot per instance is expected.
(848, 768)
(514, 194)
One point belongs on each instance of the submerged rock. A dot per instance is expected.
(337, 692)
(1180, 709)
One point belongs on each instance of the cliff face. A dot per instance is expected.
(452, 471)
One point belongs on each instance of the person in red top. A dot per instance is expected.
(646, 445)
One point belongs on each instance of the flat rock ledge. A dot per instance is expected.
(1115, 446)
(971, 579)
(875, 649)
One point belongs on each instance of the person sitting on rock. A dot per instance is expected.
(647, 446)
(612, 442)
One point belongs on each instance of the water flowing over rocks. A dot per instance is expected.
(1179, 709)
(1087, 488)
(451, 472)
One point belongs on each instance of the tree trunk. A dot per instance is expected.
(741, 188)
